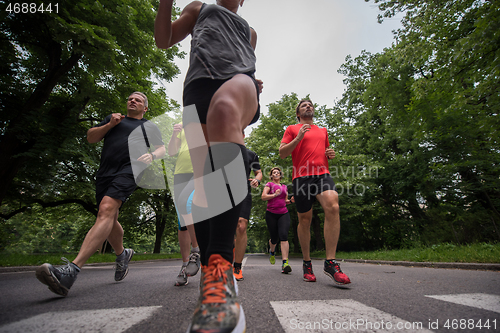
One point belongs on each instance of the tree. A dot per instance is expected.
(63, 71)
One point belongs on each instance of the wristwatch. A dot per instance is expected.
(153, 156)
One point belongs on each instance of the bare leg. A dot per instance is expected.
(329, 200)
(241, 240)
(284, 250)
(304, 233)
(115, 238)
(184, 244)
(272, 247)
(188, 219)
(106, 227)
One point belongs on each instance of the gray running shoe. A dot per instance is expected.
(194, 264)
(121, 264)
(58, 279)
(182, 278)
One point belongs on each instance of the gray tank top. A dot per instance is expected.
(220, 45)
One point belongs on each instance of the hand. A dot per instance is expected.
(116, 118)
(177, 128)
(302, 131)
(254, 183)
(146, 158)
(292, 199)
(330, 153)
(261, 85)
(278, 192)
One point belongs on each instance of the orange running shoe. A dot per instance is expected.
(218, 308)
(238, 274)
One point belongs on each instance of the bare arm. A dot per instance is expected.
(148, 157)
(287, 148)
(258, 177)
(168, 33)
(266, 196)
(253, 38)
(96, 134)
(175, 142)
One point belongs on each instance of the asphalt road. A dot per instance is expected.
(381, 298)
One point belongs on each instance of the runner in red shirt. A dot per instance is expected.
(309, 146)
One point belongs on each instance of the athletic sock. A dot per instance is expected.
(195, 249)
(237, 265)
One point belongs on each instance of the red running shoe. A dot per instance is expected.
(332, 269)
(308, 273)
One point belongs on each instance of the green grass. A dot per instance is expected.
(474, 253)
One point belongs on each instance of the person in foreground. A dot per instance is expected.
(309, 146)
(240, 242)
(277, 217)
(115, 182)
(220, 99)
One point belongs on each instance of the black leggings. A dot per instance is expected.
(278, 225)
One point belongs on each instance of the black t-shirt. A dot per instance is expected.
(125, 143)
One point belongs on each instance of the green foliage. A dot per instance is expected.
(445, 252)
(61, 73)
(415, 132)
(64, 72)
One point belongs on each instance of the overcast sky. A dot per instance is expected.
(302, 43)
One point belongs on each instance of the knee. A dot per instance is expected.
(333, 209)
(106, 210)
(305, 223)
(241, 229)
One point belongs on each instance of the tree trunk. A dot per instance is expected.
(160, 229)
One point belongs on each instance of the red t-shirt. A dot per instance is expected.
(308, 157)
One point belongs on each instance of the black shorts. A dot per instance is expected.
(118, 187)
(200, 92)
(306, 188)
(246, 207)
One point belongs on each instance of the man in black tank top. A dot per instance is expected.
(220, 99)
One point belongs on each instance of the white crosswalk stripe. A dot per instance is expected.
(480, 301)
(339, 316)
(104, 321)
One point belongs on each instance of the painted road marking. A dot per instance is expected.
(343, 315)
(105, 321)
(480, 301)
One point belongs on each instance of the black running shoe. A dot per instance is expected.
(59, 279)
(121, 264)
